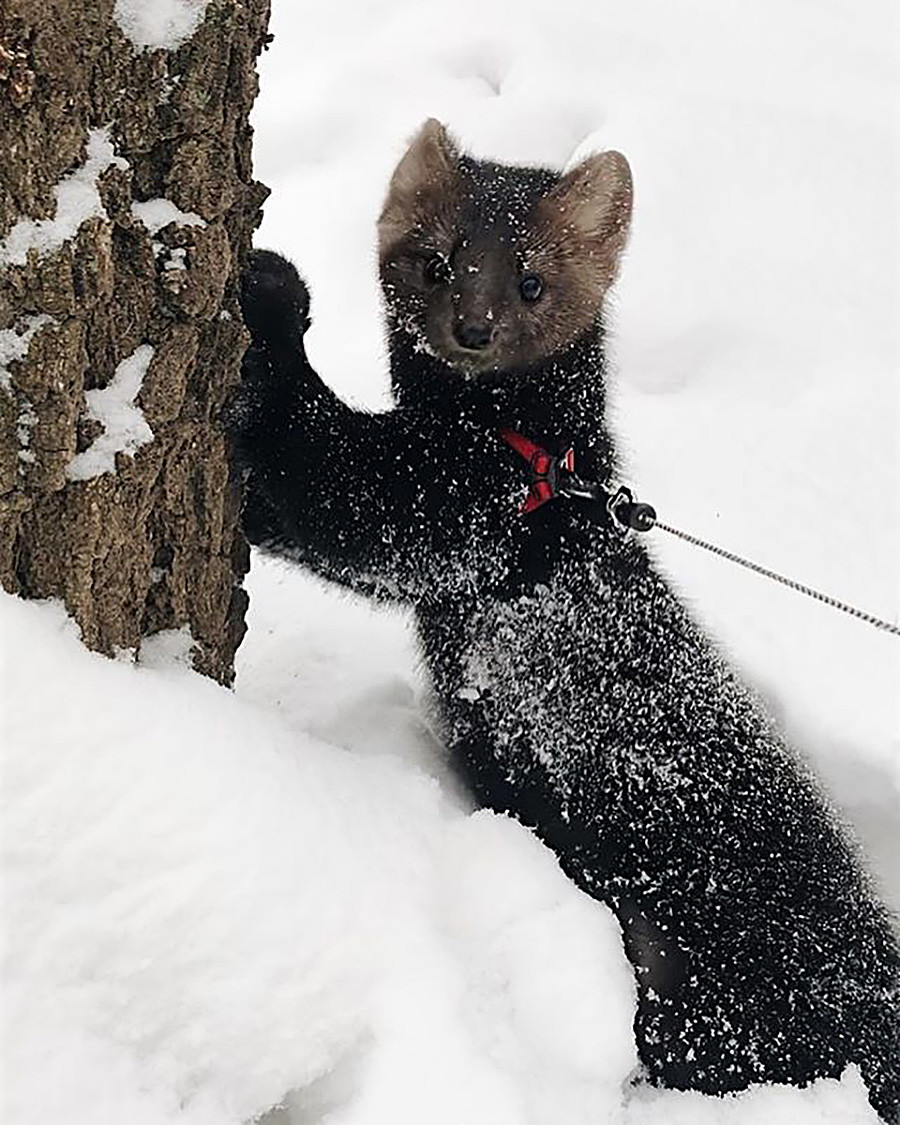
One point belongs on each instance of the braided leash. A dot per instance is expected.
(869, 618)
(630, 515)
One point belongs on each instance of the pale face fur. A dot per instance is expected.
(458, 236)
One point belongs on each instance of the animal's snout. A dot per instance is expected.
(472, 334)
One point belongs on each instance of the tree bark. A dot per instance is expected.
(120, 332)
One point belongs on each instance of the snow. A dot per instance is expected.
(125, 428)
(224, 912)
(14, 344)
(218, 902)
(77, 200)
(176, 258)
(158, 213)
(165, 648)
(26, 422)
(153, 24)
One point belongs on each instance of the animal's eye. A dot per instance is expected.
(437, 270)
(531, 287)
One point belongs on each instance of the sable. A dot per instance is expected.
(575, 690)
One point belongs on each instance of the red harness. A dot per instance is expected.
(544, 465)
(555, 476)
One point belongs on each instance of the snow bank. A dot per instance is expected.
(125, 429)
(77, 200)
(211, 913)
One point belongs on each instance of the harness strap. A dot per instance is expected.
(545, 466)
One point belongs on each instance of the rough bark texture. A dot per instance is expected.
(155, 544)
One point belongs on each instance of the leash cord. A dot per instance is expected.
(629, 515)
(791, 583)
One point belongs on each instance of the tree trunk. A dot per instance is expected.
(120, 333)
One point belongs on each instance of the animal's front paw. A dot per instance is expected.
(245, 421)
(274, 299)
(278, 386)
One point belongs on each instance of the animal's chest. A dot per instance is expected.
(594, 678)
(480, 544)
(527, 667)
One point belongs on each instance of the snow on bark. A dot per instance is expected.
(14, 345)
(153, 24)
(77, 200)
(158, 213)
(125, 428)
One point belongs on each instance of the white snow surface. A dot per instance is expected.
(164, 649)
(77, 200)
(153, 24)
(219, 903)
(125, 429)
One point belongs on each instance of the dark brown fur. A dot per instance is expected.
(571, 234)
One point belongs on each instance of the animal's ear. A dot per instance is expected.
(423, 178)
(592, 203)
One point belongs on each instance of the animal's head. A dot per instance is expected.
(496, 268)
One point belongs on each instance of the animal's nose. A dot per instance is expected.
(472, 334)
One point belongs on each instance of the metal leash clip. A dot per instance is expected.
(626, 513)
(629, 514)
(555, 476)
